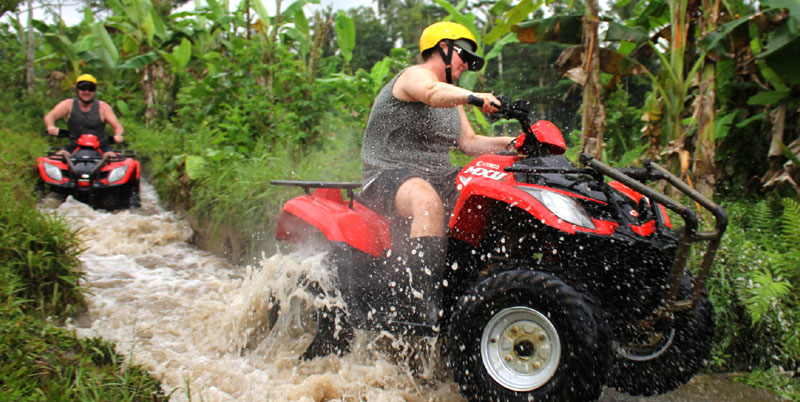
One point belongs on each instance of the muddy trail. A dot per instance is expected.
(200, 325)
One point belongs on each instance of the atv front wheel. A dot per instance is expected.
(662, 361)
(134, 201)
(526, 335)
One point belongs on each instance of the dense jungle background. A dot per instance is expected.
(220, 100)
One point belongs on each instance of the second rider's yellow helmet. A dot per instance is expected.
(457, 36)
(85, 78)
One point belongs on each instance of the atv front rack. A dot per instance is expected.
(653, 171)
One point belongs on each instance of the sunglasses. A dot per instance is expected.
(87, 87)
(474, 63)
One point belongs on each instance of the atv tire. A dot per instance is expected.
(333, 332)
(328, 340)
(526, 335)
(678, 355)
(134, 201)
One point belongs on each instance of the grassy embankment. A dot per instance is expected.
(39, 289)
(225, 188)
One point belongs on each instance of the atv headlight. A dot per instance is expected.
(566, 208)
(117, 174)
(53, 172)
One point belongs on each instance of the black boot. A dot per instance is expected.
(418, 281)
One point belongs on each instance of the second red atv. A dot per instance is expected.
(557, 282)
(106, 182)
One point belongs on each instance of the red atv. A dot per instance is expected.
(107, 182)
(557, 283)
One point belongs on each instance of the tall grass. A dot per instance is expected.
(223, 186)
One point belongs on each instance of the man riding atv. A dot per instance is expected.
(85, 115)
(417, 117)
(558, 281)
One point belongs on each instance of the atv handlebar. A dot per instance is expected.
(518, 110)
(474, 100)
(62, 133)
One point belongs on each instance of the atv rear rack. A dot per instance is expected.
(653, 171)
(307, 185)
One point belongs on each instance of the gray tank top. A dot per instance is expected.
(81, 122)
(410, 135)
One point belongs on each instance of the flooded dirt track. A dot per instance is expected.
(702, 388)
(201, 325)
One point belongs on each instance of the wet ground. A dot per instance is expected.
(702, 388)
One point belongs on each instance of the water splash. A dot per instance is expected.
(202, 326)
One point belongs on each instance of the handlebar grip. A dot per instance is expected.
(475, 101)
(62, 133)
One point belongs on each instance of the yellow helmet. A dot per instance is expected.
(458, 38)
(445, 30)
(86, 78)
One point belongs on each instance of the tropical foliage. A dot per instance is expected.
(754, 290)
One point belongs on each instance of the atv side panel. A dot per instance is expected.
(340, 221)
(469, 214)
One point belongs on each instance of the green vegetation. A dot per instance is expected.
(753, 288)
(39, 275)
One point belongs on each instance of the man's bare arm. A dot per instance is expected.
(419, 84)
(475, 145)
(60, 110)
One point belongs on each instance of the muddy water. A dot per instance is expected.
(200, 325)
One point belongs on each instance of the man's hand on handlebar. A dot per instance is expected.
(52, 131)
(486, 101)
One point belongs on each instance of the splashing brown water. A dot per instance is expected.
(201, 325)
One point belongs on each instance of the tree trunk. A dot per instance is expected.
(705, 152)
(594, 113)
(678, 157)
(775, 155)
(30, 50)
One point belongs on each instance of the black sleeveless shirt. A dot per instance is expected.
(81, 122)
(409, 135)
